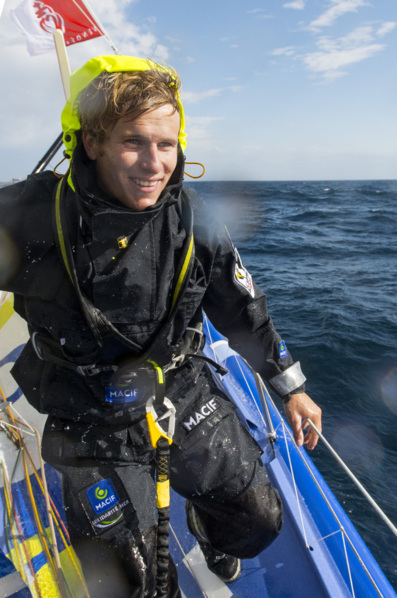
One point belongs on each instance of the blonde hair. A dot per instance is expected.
(113, 95)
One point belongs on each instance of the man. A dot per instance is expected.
(113, 292)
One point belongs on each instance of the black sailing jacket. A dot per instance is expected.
(131, 286)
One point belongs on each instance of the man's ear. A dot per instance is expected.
(90, 145)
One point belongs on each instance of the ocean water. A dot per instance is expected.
(325, 253)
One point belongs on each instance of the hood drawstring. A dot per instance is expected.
(191, 175)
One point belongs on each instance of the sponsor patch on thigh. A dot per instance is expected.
(200, 414)
(106, 503)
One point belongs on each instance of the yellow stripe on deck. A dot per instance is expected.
(6, 310)
(48, 587)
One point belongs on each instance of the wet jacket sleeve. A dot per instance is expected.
(238, 309)
(26, 234)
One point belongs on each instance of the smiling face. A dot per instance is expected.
(138, 156)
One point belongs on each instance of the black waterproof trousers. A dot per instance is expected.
(109, 490)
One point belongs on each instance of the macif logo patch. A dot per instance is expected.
(118, 394)
(282, 350)
(200, 415)
(102, 496)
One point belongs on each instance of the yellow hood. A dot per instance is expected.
(83, 77)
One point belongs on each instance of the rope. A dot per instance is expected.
(60, 577)
(366, 494)
(14, 433)
(163, 507)
(61, 528)
(295, 488)
(41, 533)
(21, 421)
(348, 563)
(200, 175)
(16, 519)
(8, 513)
(341, 528)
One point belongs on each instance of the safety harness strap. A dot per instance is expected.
(100, 326)
(48, 349)
(97, 321)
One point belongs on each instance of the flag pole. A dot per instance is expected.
(105, 35)
(64, 68)
(63, 60)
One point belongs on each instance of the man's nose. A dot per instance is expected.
(150, 158)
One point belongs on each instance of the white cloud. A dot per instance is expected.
(386, 28)
(297, 4)
(230, 40)
(236, 88)
(337, 9)
(336, 54)
(330, 63)
(198, 127)
(259, 13)
(359, 36)
(193, 97)
(287, 51)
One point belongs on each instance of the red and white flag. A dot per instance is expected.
(38, 19)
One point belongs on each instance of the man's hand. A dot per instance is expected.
(297, 409)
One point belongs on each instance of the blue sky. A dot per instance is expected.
(273, 90)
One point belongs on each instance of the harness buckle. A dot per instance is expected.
(176, 362)
(88, 370)
(155, 430)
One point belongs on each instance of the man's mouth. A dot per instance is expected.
(143, 183)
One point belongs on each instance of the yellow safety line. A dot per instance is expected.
(60, 230)
(160, 375)
(181, 276)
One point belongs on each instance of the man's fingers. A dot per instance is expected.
(297, 430)
(298, 409)
(311, 439)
